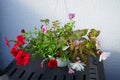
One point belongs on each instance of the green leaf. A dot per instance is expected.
(90, 44)
(46, 21)
(92, 53)
(68, 27)
(93, 33)
(56, 25)
(84, 58)
(73, 56)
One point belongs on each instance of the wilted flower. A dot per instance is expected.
(59, 54)
(22, 31)
(99, 51)
(7, 42)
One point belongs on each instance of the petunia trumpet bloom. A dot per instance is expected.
(52, 63)
(22, 58)
(15, 50)
(21, 40)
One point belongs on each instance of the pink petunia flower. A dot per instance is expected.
(71, 71)
(44, 29)
(71, 15)
(42, 64)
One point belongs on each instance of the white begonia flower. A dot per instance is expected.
(104, 56)
(78, 66)
(65, 48)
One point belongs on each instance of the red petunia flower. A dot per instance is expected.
(7, 42)
(15, 50)
(52, 63)
(22, 58)
(21, 39)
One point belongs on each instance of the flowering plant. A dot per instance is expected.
(52, 42)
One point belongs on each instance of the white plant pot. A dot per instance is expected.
(62, 63)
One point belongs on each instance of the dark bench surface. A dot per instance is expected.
(33, 71)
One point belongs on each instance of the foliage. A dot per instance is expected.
(79, 43)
